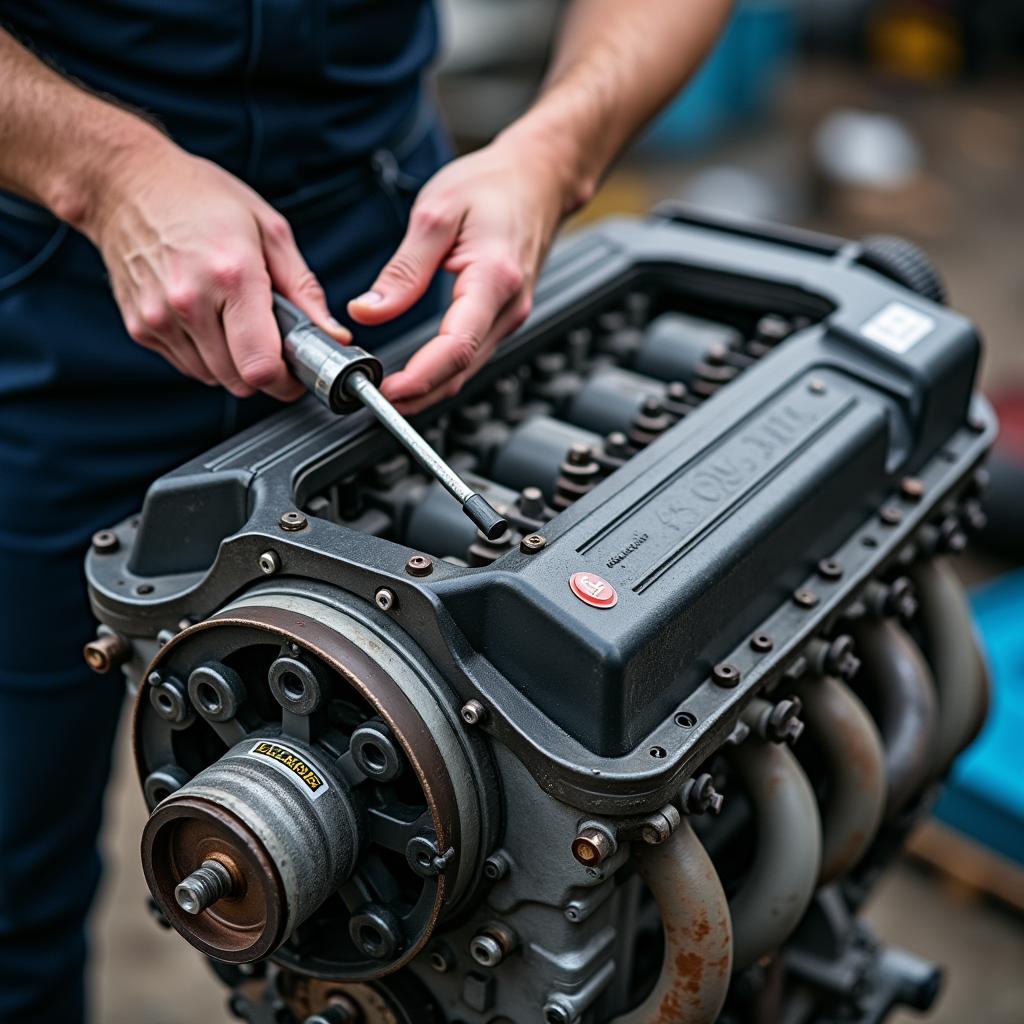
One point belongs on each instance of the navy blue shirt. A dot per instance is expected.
(282, 93)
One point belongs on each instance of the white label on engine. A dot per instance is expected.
(897, 327)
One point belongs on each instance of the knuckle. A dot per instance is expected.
(430, 217)
(403, 270)
(453, 388)
(156, 318)
(508, 275)
(463, 350)
(136, 329)
(259, 372)
(278, 228)
(183, 298)
(309, 286)
(229, 272)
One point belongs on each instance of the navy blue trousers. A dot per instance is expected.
(87, 420)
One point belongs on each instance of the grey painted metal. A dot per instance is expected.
(846, 736)
(484, 517)
(961, 682)
(698, 959)
(778, 887)
(901, 695)
(312, 843)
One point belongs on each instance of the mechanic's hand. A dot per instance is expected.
(489, 218)
(192, 254)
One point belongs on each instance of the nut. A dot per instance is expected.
(292, 521)
(419, 565)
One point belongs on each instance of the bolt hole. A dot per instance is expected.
(165, 702)
(869, 542)
(686, 719)
(292, 686)
(370, 939)
(160, 793)
(423, 859)
(657, 752)
(373, 758)
(438, 962)
(208, 698)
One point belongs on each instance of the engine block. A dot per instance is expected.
(639, 759)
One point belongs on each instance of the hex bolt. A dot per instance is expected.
(781, 724)
(532, 543)
(473, 712)
(725, 674)
(385, 599)
(700, 796)
(531, 502)
(211, 881)
(105, 542)
(830, 569)
(106, 651)
(497, 866)
(912, 488)
(890, 515)
(593, 846)
(441, 958)
(834, 657)
(419, 565)
(269, 563)
(491, 945)
(292, 521)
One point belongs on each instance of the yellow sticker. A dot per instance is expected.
(290, 763)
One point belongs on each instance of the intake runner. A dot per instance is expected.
(636, 754)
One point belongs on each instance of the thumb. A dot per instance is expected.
(292, 277)
(407, 275)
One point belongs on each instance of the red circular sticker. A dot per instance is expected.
(593, 589)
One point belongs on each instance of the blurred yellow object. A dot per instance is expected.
(915, 42)
(622, 192)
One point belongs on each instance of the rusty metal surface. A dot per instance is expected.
(695, 973)
(848, 739)
(178, 837)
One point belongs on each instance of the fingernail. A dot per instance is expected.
(369, 299)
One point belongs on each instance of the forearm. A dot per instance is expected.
(615, 65)
(60, 145)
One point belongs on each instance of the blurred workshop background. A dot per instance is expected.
(854, 117)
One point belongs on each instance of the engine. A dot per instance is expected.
(640, 758)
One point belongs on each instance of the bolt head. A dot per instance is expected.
(473, 712)
(385, 599)
(532, 543)
(292, 521)
(486, 950)
(419, 565)
(725, 674)
(105, 542)
(269, 563)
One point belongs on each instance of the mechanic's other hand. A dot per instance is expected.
(192, 254)
(489, 218)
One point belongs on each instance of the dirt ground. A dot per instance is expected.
(967, 208)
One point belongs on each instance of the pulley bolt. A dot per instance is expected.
(210, 882)
(593, 846)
